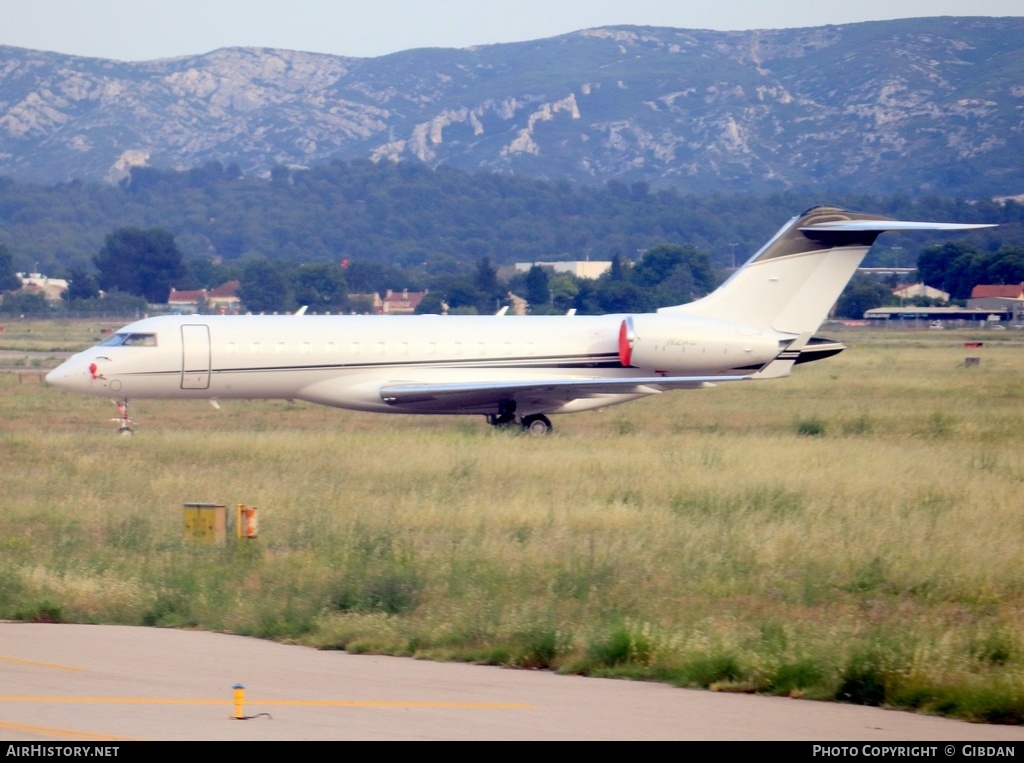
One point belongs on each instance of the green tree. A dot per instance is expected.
(321, 286)
(618, 269)
(954, 267)
(9, 280)
(537, 292)
(145, 263)
(564, 290)
(460, 293)
(666, 262)
(431, 304)
(624, 297)
(23, 303)
(861, 294)
(266, 286)
(486, 282)
(81, 285)
(1005, 266)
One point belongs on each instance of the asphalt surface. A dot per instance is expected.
(110, 684)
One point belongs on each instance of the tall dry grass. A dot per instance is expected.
(854, 532)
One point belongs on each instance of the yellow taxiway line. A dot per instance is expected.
(52, 731)
(274, 702)
(40, 664)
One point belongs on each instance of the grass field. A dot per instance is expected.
(852, 533)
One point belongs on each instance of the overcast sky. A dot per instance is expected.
(138, 30)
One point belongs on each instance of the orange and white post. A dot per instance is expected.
(245, 521)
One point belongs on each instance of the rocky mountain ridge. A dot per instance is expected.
(931, 106)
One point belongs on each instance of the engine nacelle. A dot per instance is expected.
(681, 345)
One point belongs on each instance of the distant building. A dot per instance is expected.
(186, 301)
(224, 299)
(578, 268)
(1009, 297)
(36, 283)
(921, 290)
(998, 291)
(951, 315)
(403, 303)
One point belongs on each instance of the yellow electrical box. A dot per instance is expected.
(206, 522)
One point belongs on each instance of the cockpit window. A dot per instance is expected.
(129, 340)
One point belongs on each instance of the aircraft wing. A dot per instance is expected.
(461, 393)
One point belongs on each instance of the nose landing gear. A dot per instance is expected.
(125, 423)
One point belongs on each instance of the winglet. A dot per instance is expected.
(783, 362)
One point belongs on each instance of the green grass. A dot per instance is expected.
(852, 533)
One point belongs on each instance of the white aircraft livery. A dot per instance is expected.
(756, 325)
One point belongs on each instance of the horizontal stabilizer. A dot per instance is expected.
(879, 226)
(784, 361)
(882, 225)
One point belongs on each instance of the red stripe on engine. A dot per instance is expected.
(625, 349)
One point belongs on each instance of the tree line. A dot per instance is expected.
(137, 267)
(407, 214)
(317, 237)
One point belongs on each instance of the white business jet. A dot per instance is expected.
(756, 325)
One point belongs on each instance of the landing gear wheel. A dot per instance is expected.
(538, 424)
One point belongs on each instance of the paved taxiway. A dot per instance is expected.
(106, 683)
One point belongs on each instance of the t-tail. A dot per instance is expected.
(791, 284)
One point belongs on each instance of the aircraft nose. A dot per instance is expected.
(59, 376)
(71, 374)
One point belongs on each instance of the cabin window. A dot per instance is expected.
(457, 348)
(529, 348)
(329, 348)
(403, 348)
(506, 348)
(256, 348)
(354, 349)
(232, 348)
(481, 349)
(380, 348)
(281, 348)
(431, 348)
(305, 348)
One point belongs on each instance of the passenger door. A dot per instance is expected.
(195, 356)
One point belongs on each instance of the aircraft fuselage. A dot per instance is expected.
(346, 361)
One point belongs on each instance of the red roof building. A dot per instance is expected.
(223, 299)
(403, 303)
(1002, 291)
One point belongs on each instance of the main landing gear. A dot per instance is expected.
(538, 424)
(535, 424)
